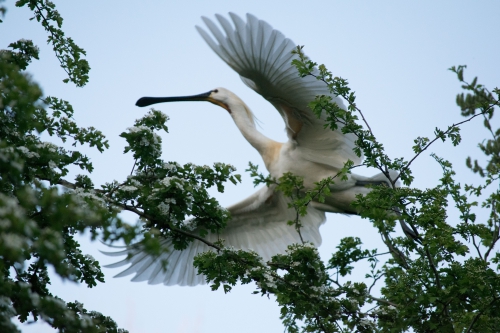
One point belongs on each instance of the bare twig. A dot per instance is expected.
(374, 282)
(133, 167)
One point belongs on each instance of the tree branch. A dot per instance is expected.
(169, 227)
(444, 133)
(479, 314)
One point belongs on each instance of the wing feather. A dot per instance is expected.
(262, 57)
(258, 223)
(156, 276)
(174, 265)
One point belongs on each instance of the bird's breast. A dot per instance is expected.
(291, 159)
(272, 156)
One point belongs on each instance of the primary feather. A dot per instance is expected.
(262, 57)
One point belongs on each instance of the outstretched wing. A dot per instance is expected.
(258, 223)
(262, 57)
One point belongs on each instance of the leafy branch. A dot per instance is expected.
(66, 50)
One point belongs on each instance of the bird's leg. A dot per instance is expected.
(370, 182)
(410, 233)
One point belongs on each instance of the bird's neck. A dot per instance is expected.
(244, 120)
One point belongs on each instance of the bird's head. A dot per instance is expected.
(217, 96)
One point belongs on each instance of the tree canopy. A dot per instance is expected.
(445, 281)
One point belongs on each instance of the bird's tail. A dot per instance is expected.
(380, 179)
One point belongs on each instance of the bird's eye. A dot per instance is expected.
(215, 90)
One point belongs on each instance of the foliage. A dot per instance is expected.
(445, 279)
(39, 219)
(67, 52)
(444, 283)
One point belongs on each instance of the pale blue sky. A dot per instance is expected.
(395, 55)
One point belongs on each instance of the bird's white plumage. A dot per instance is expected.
(262, 57)
(258, 223)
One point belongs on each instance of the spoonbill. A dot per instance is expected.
(262, 57)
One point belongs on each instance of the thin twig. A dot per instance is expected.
(438, 137)
(133, 167)
(374, 282)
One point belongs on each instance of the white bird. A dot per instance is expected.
(262, 57)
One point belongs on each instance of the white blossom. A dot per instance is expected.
(81, 193)
(135, 129)
(144, 141)
(271, 285)
(170, 201)
(27, 152)
(152, 115)
(35, 298)
(50, 146)
(229, 166)
(379, 311)
(52, 165)
(149, 115)
(6, 305)
(164, 208)
(170, 166)
(12, 241)
(82, 207)
(10, 206)
(93, 269)
(127, 188)
(133, 181)
(16, 165)
(189, 200)
(89, 257)
(167, 181)
(86, 320)
(366, 322)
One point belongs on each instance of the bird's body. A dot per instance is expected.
(262, 57)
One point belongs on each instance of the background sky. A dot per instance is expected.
(395, 54)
